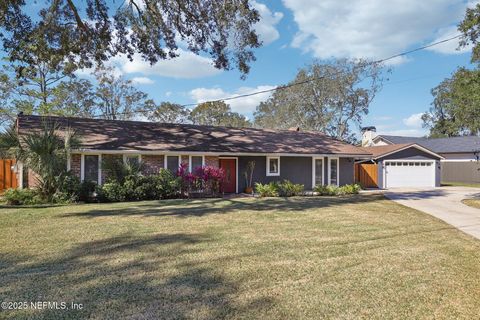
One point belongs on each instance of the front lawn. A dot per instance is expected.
(353, 257)
(461, 184)
(475, 203)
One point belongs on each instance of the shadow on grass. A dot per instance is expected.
(187, 208)
(151, 277)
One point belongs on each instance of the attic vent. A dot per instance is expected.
(294, 129)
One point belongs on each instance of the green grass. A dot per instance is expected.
(460, 184)
(352, 257)
(475, 203)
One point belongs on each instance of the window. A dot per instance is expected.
(318, 172)
(172, 163)
(195, 162)
(273, 166)
(91, 168)
(333, 171)
(131, 159)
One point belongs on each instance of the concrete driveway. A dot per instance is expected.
(443, 203)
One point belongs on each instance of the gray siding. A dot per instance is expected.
(410, 154)
(295, 169)
(380, 181)
(465, 171)
(347, 175)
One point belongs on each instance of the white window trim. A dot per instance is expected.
(190, 161)
(330, 169)
(314, 170)
(125, 156)
(82, 167)
(20, 174)
(165, 163)
(236, 170)
(268, 173)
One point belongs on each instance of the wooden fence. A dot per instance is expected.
(366, 174)
(8, 178)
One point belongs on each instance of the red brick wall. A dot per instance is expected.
(75, 164)
(153, 163)
(211, 161)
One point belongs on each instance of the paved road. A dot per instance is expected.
(443, 203)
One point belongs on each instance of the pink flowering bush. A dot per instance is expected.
(205, 179)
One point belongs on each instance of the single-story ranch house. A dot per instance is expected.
(309, 158)
(460, 155)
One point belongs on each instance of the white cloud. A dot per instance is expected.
(168, 93)
(245, 105)
(186, 66)
(265, 28)
(370, 29)
(142, 80)
(450, 47)
(414, 121)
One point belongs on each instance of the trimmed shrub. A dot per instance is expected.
(328, 190)
(207, 180)
(289, 189)
(332, 190)
(16, 197)
(267, 190)
(164, 185)
(350, 189)
(111, 192)
(167, 185)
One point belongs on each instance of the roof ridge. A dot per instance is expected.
(177, 124)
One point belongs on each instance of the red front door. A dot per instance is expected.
(230, 182)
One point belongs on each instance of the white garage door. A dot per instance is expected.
(409, 174)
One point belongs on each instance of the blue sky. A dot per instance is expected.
(295, 32)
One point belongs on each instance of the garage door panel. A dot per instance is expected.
(409, 174)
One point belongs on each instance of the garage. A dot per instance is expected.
(409, 173)
(405, 165)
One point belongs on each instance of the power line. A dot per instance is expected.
(282, 87)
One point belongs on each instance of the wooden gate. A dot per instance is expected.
(8, 178)
(366, 174)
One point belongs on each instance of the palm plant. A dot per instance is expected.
(117, 170)
(45, 152)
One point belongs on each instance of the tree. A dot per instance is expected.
(116, 97)
(96, 31)
(31, 87)
(330, 99)
(470, 29)
(456, 106)
(45, 152)
(167, 112)
(68, 96)
(217, 113)
(74, 98)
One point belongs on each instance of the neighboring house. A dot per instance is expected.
(461, 154)
(308, 158)
(404, 165)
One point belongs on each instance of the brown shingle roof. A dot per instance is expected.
(99, 134)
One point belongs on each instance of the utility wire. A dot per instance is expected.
(282, 87)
